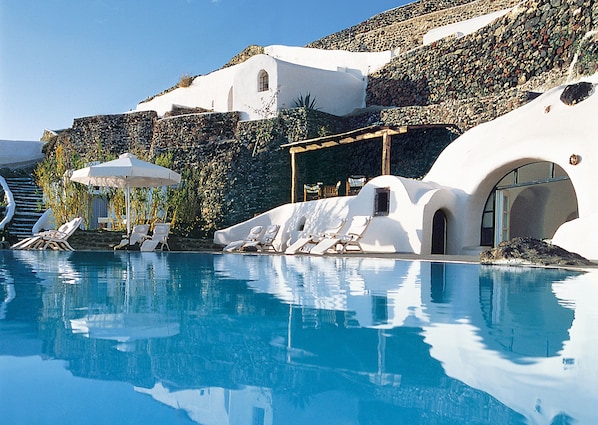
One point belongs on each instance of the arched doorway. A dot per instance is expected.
(230, 100)
(438, 245)
(532, 200)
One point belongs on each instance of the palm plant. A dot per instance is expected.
(306, 101)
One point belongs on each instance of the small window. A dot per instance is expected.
(301, 224)
(382, 201)
(263, 81)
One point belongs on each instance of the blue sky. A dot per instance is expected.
(65, 59)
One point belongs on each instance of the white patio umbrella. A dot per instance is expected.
(126, 172)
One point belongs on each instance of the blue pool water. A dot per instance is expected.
(187, 338)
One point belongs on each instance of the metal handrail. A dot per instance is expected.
(10, 211)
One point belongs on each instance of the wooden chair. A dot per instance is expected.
(330, 191)
(354, 184)
(312, 192)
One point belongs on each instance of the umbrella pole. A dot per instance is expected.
(128, 217)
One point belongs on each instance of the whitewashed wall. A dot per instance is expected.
(544, 130)
(337, 80)
(360, 63)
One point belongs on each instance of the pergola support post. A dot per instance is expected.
(386, 143)
(293, 177)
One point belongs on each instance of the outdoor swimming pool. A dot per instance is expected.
(183, 338)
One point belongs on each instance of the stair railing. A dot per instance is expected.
(10, 208)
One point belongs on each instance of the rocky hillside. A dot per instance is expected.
(530, 48)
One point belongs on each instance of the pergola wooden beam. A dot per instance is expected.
(343, 138)
(362, 134)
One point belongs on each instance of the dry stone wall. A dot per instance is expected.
(236, 169)
(462, 113)
(113, 133)
(403, 28)
(188, 135)
(539, 37)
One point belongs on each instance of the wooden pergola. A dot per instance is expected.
(385, 132)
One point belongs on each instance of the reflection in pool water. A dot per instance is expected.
(117, 337)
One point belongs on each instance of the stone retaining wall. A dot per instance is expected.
(403, 28)
(113, 134)
(188, 136)
(463, 113)
(539, 37)
(237, 169)
(100, 240)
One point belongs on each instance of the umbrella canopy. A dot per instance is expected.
(126, 172)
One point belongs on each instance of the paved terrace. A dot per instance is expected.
(93, 240)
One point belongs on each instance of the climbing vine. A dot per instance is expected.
(65, 198)
(185, 203)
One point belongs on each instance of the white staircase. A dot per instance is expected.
(29, 205)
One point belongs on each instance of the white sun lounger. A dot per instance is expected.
(265, 242)
(137, 236)
(254, 235)
(307, 241)
(159, 237)
(351, 237)
(55, 239)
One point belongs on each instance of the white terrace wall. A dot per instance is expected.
(360, 63)
(335, 92)
(207, 91)
(459, 29)
(336, 79)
